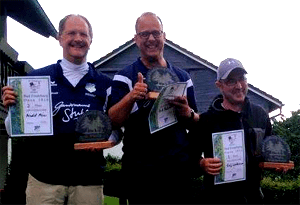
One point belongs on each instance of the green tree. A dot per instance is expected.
(289, 130)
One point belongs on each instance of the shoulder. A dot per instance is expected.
(130, 71)
(103, 78)
(257, 108)
(257, 111)
(182, 74)
(128, 74)
(99, 76)
(127, 71)
(47, 70)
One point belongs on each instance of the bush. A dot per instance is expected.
(289, 130)
(113, 177)
(280, 191)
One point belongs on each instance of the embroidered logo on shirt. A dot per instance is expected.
(90, 87)
(70, 111)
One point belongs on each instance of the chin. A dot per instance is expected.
(239, 100)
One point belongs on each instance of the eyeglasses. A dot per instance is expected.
(232, 81)
(146, 34)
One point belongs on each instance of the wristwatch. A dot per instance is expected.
(192, 114)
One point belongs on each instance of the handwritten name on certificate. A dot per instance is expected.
(162, 114)
(32, 113)
(229, 147)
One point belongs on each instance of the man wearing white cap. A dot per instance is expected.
(229, 134)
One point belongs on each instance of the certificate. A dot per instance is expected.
(229, 147)
(32, 113)
(163, 114)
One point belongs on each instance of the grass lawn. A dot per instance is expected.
(108, 200)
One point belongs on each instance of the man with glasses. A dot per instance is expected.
(155, 165)
(238, 123)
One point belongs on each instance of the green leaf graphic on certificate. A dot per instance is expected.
(17, 109)
(219, 153)
(229, 147)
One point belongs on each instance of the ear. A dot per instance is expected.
(59, 40)
(218, 84)
(164, 36)
(136, 40)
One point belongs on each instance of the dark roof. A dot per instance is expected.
(114, 52)
(30, 14)
(275, 101)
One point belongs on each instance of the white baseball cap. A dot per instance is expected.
(228, 65)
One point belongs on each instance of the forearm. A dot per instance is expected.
(120, 112)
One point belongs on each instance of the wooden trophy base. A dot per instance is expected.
(94, 145)
(152, 95)
(277, 165)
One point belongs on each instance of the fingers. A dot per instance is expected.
(8, 96)
(182, 106)
(211, 165)
(140, 77)
(140, 88)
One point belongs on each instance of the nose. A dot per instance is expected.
(77, 37)
(238, 84)
(151, 37)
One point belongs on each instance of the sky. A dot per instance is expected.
(263, 34)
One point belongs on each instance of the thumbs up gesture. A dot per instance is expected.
(140, 88)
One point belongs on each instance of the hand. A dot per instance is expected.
(182, 106)
(8, 96)
(211, 165)
(140, 88)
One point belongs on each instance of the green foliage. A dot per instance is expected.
(289, 130)
(278, 187)
(111, 200)
(280, 184)
(113, 176)
(281, 191)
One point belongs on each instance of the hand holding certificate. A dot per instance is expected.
(229, 147)
(162, 113)
(32, 113)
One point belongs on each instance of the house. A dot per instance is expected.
(30, 14)
(202, 72)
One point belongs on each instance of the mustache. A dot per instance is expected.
(78, 44)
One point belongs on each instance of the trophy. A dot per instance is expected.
(157, 78)
(93, 130)
(276, 153)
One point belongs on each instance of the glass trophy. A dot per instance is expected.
(157, 78)
(93, 130)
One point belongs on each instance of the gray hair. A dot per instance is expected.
(147, 14)
(63, 22)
